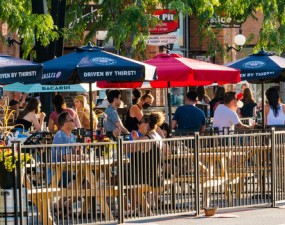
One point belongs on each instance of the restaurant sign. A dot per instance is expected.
(170, 22)
(164, 39)
(225, 22)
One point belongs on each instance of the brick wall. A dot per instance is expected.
(225, 36)
(4, 49)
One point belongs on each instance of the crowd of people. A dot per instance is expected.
(226, 108)
(188, 117)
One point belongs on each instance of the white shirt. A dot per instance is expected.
(104, 104)
(278, 120)
(226, 118)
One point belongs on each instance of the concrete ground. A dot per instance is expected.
(263, 215)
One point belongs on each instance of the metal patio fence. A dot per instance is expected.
(124, 180)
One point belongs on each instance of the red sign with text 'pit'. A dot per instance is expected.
(170, 22)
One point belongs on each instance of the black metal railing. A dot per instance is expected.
(121, 180)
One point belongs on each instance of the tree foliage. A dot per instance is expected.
(29, 27)
(128, 21)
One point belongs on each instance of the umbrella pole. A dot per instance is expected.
(262, 105)
(91, 111)
(169, 107)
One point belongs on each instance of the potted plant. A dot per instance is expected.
(8, 164)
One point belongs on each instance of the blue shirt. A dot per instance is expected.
(112, 119)
(139, 133)
(189, 118)
(61, 138)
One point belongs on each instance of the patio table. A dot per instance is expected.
(88, 171)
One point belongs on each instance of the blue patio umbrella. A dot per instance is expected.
(90, 64)
(19, 70)
(262, 67)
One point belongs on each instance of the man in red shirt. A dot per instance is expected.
(240, 95)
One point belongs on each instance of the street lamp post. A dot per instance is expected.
(100, 37)
(239, 41)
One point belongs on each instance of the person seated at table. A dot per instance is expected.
(105, 103)
(28, 117)
(226, 117)
(145, 157)
(83, 112)
(165, 129)
(135, 112)
(112, 122)
(65, 154)
(148, 155)
(59, 105)
(189, 118)
(203, 98)
(274, 111)
(65, 136)
(136, 94)
(243, 87)
(17, 102)
(218, 99)
(249, 104)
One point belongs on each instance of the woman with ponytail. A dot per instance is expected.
(274, 111)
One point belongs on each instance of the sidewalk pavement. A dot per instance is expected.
(261, 215)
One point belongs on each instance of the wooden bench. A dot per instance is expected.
(43, 198)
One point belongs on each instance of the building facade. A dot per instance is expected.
(187, 43)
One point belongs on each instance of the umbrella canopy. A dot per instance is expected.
(39, 88)
(18, 70)
(173, 70)
(261, 67)
(89, 64)
(176, 71)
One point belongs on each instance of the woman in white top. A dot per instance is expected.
(274, 111)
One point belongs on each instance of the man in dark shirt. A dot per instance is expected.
(189, 118)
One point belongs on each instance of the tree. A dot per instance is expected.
(128, 21)
(30, 27)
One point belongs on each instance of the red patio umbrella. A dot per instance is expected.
(173, 70)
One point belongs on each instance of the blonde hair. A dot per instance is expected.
(83, 100)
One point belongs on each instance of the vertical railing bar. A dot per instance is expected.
(196, 171)
(172, 171)
(120, 149)
(99, 183)
(273, 167)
